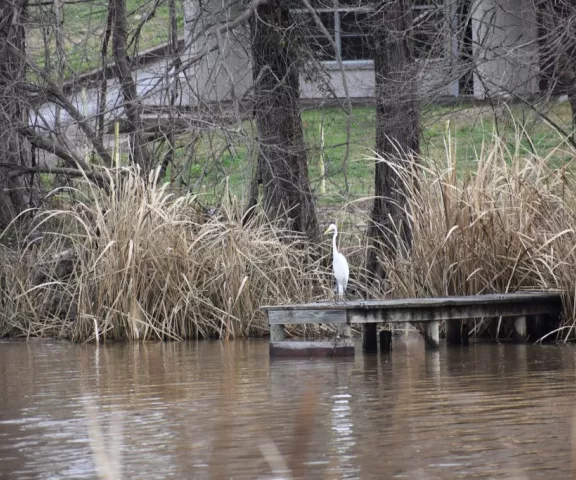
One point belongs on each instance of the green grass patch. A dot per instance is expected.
(83, 30)
(222, 156)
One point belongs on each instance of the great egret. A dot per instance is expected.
(339, 264)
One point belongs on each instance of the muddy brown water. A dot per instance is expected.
(211, 410)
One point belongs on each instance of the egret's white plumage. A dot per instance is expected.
(339, 264)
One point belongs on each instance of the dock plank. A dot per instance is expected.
(510, 298)
(291, 317)
(447, 312)
(417, 310)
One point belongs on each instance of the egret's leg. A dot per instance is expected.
(340, 292)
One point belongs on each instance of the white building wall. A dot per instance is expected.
(505, 35)
(224, 73)
(359, 79)
(227, 74)
(435, 80)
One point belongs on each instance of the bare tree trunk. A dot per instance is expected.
(282, 162)
(132, 105)
(15, 194)
(103, 92)
(397, 127)
(173, 87)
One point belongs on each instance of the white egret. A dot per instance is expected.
(339, 264)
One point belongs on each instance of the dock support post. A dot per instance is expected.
(520, 329)
(453, 332)
(276, 333)
(385, 341)
(369, 337)
(432, 334)
(344, 330)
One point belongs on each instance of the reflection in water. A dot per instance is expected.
(213, 410)
(342, 426)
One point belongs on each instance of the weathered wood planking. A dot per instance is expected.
(520, 329)
(289, 317)
(448, 312)
(432, 334)
(422, 302)
(413, 310)
(416, 310)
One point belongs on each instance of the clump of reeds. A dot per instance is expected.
(505, 225)
(139, 263)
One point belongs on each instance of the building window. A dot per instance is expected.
(429, 27)
(349, 24)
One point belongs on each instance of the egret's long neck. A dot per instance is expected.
(334, 241)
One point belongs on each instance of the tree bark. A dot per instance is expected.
(282, 162)
(397, 127)
(173, 87)
(132, 106)
(16, 192)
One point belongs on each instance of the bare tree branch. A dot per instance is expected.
(69, 172)
(82, 121)
(65, 103)
(49, 145)
(72, 158)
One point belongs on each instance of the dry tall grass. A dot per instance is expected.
(507, 226)
(140, 263)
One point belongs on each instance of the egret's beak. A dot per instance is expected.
(327, 231)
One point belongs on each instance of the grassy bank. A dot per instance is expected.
(224, 158)
(141, 263)
(83, 26)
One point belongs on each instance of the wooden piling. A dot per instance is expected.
(344, 330)
(369, 337)
(277, 333)
(432, 334)
(385, 341)
(453, 332)
(520, 329)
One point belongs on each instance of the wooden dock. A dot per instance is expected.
(527, 308)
